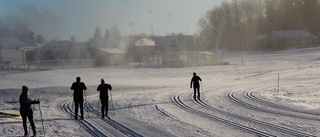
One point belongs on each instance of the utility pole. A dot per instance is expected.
(152, 27)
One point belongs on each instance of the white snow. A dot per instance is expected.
(143, 97)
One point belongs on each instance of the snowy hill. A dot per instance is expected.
(236, 100)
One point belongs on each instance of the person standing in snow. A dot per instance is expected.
(196, 86)
(103, 88)
(26, 111)
(78, 88)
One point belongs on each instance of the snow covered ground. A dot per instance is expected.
(236, 100)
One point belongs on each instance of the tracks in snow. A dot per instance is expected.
(250, 96)
(282, 129)
(179, 102)
(90, 128)
(123, 129)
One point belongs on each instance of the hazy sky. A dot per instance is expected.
(62, 19)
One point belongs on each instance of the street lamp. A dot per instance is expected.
(153, 25)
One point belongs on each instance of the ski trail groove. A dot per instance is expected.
(123, 129)
(163, 112)
(283, 110)
(91, 129)
(230, 96)
(253, 107)
(250, 96)
(176, 100)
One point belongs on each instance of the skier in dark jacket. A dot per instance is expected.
(103, 88)
(78, 88)
(26, 111)
(196, 86)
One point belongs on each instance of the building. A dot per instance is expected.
(143, 50)
(175, 43)
(181, 51)
(261, 42)
(109, 57)
(145, 46)
(290, 39)
(188, 59)
(75, 54)
(13, 51)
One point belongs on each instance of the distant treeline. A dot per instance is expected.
(234, 24)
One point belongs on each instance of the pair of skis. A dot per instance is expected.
(8, 115)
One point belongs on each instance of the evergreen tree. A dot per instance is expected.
(107, 36)
(97, 36)
(115, 36)
(73, 39)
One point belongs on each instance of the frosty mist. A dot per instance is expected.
(233, 25)
(146, 97)
(28, 18)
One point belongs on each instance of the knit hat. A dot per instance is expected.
(24, 89)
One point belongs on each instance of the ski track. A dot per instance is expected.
(230, 95)
(123, 129)
(252, 97)
(283, 111)
(90, 128)
(164, 113)
(286, 130)
(245, 102)
(178, 101)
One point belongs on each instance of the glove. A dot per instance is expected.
(37, 101)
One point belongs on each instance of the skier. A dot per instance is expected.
(196, 86)
(26, 111)
(78, 88)
(103, 88)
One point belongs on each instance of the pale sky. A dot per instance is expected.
(62, 19)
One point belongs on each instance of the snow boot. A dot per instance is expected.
(34, 133)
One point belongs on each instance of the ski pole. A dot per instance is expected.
(201, 89)
(85, 98)
(98, 106)
(72, 108)
(112, 103)
(44, 133)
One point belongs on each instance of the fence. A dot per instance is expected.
(50, 64)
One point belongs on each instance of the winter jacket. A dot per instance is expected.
(195, 80)
(25, 103)
(103, 88)
(78, 88)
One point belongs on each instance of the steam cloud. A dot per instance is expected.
(32, 18)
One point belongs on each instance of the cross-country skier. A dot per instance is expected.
(26, 111)
(103, 88)
(196, 86)
(78, 88)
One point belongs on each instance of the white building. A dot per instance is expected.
(12, 51)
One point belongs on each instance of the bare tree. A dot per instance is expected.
(234, 24)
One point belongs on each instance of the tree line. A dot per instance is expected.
(234, 24)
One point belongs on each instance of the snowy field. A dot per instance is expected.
(236, 100)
